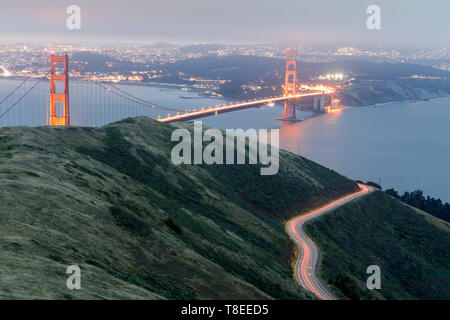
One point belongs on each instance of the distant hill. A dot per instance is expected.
(96, 62)
(365, 70)
(375, 82)
(364, 93)
(247, 68)
(201, 48)
(111, 201)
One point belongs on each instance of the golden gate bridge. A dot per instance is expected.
(48, 100)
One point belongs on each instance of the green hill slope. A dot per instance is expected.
(111, 201)
(410, 247)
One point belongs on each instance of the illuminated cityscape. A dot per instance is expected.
(20, 60)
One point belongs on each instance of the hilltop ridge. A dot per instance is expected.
(110, 200)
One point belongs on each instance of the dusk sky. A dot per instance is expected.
(231, 21)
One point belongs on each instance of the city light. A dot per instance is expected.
(333, 77)
(5, 73)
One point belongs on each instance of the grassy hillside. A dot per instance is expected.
(364, 93)
(111, 201)
(411, 248)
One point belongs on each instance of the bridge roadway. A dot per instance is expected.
(206, 112)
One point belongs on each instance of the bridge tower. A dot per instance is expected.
(61, 99)
(290, 85)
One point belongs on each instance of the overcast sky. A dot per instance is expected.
(228, 21)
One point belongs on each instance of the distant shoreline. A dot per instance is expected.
(203, 92)
(405, 101)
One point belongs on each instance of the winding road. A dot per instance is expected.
(306, 271)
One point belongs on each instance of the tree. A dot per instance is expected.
(392, 192)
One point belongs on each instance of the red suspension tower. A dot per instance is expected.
(61, 99)
(290, 85)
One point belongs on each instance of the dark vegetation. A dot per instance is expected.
(372, 184)
(172, 225)
(411, 249)
(431, 205)
(370, 92)
(346, 284)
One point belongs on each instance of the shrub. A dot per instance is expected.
(172, 225)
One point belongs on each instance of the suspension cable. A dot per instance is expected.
(133, 97)
(21, 84)
(17, 88)
(23, 96)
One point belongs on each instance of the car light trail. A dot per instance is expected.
(306, 266)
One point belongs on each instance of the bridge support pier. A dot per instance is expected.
(322, 104)
(289, 111)
(316, 104)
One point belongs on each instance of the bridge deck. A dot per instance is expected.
(206, 112)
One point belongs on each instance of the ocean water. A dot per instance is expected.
(401, 145)
(404, 145)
